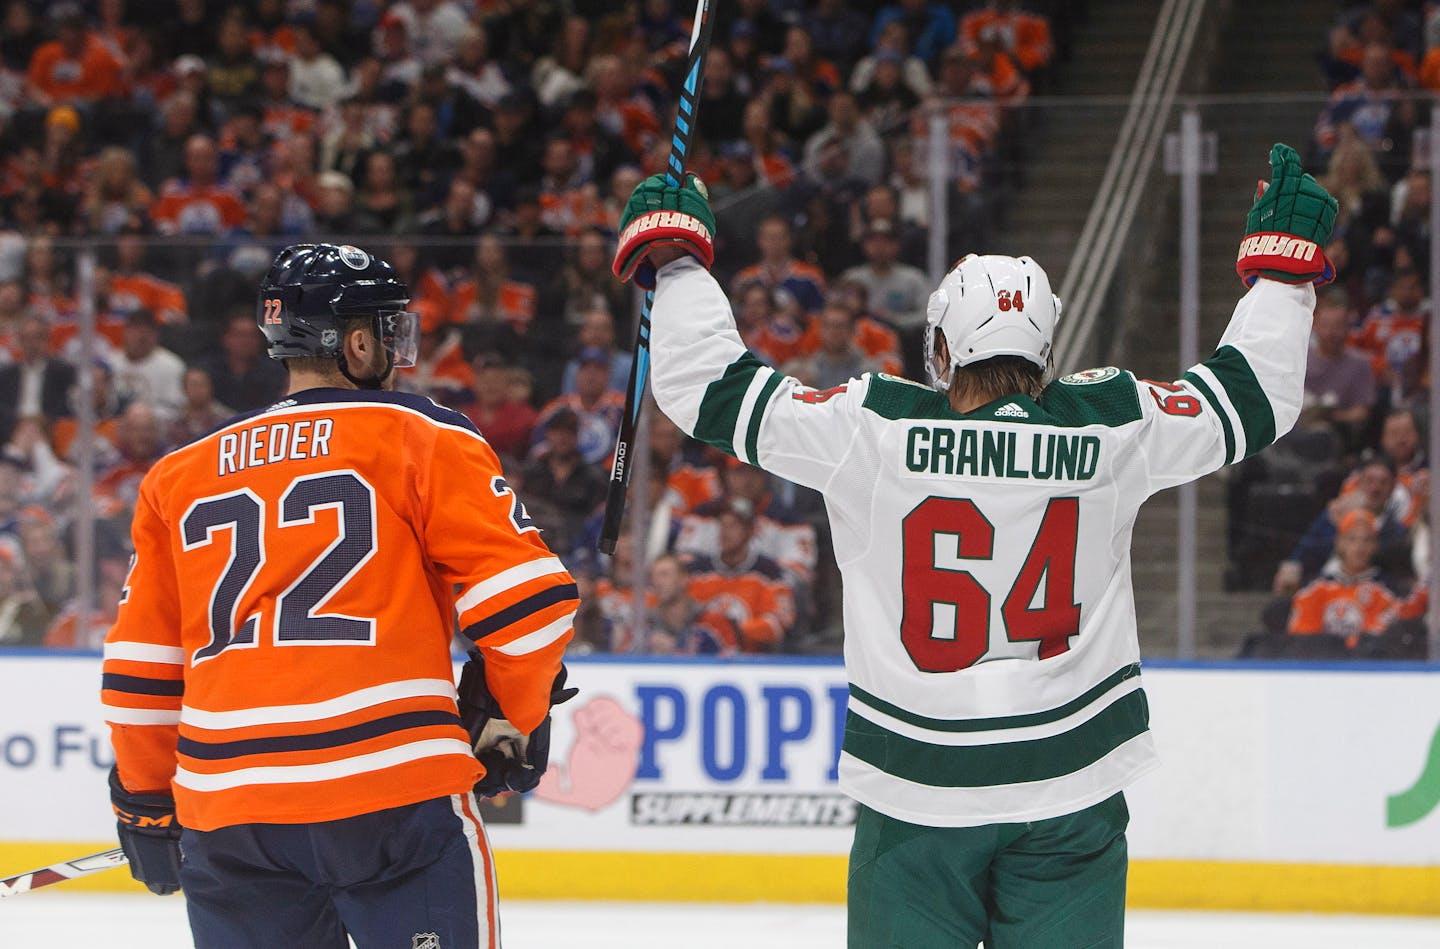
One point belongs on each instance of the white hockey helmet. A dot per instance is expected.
(991, 306)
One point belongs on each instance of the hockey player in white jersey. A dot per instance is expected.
(982, 528)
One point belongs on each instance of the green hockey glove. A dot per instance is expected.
(662, 213)
(1288, 226)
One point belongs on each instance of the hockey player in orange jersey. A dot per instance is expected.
(279, 683)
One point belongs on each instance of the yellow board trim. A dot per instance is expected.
(744, 878)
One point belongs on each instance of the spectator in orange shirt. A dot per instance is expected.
(835, 358)
(488, 294)
(1393, 331)
(198, 204)
(1350, 598)
(76, 67)
(1025, 37)
(133, 287)
(750, 589)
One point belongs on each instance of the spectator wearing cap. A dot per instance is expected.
(597, 407)
(560, 475)
(506, 422)
(317, 81)
(597, 332)
(883, 90)
(897, 291)
(795, 106)
(76, 68)
(198, 203)
(36, 383)
(145, 371)
(931, 26)
(61, 153)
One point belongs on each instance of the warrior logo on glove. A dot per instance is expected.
(661, 213)
(1287, 226)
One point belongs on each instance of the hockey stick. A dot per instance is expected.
(60, 872)
(684, 129)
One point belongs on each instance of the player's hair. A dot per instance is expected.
(995, 377)
(323, 366)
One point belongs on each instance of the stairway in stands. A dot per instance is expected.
(1266, 48)
(1069, 143)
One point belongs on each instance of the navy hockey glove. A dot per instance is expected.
(1288, 226)
(513, 761)
(149, 835)
(662, 213)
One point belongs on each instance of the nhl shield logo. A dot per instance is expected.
(425, 941)
(330, 338)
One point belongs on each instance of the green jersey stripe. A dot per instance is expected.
(757, 414)
(1003, 722)
(720, 407)
(1016, 762)
(1246, 394)
(1204, 389)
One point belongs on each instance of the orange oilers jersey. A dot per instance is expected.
(282, 650)
(1330, 605)
(757, 600)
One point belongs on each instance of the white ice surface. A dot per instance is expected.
(75, 921)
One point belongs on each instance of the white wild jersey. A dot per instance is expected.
(990, 638)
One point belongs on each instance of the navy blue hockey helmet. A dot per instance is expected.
(313, 290)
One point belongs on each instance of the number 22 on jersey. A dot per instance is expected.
(957, 635)
(242, 515)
